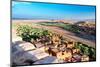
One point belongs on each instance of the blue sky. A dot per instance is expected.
(29, 10)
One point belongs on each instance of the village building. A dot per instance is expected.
(70, 44)
(85, 58)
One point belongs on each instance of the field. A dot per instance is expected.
(62, 42)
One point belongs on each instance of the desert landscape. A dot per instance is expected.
(47, 41)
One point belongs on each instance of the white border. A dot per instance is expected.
(5, 33)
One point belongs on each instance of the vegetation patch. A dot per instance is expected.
(69, 27)
(28, 33)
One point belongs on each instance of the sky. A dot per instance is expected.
(37, 10)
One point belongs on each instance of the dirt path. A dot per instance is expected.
(68, 35)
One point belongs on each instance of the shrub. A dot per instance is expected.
(90, 51)
(27, 32)
(24, 32)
